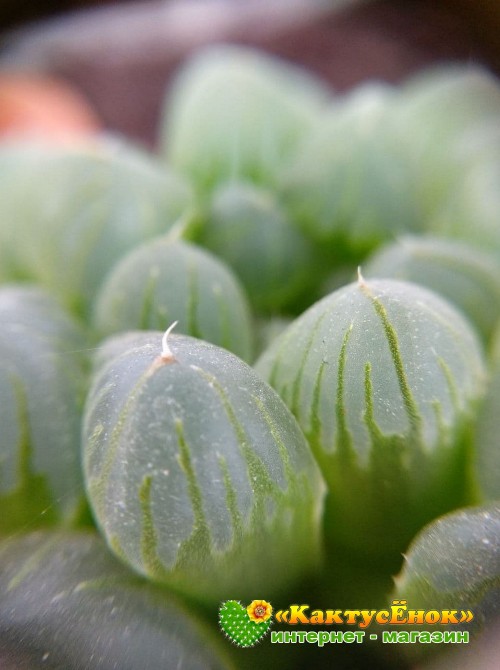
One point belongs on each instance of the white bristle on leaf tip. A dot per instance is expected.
(166, 353)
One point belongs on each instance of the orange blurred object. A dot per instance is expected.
(39, 106)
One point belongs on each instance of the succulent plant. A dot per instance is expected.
(197, 473)
(468, 278)
(69, 213)
(236, 113)
(447, 99)
(435, 121)
(68, 603)
(487, 427)
(470, 211)
(347, 185)
(383, 377)
(454, 563)
(165, 280)
(246, 226)
(42, 384)
(201, 478)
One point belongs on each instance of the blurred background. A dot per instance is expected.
(120, 55)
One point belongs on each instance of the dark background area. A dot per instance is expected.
(480, 19)
(482, 16)
(14, 13)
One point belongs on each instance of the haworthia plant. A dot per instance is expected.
(246, 226)
(66, 602)
(42, 385)
(454, 563)
(383, 377)
(444, 101)
(236, 113)
(477, 654)
(69, 213)
(468, 278)
(487, 427)
(198, 474)
(347, 185)
(469, 213)
(435, 113)
(166, 280)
